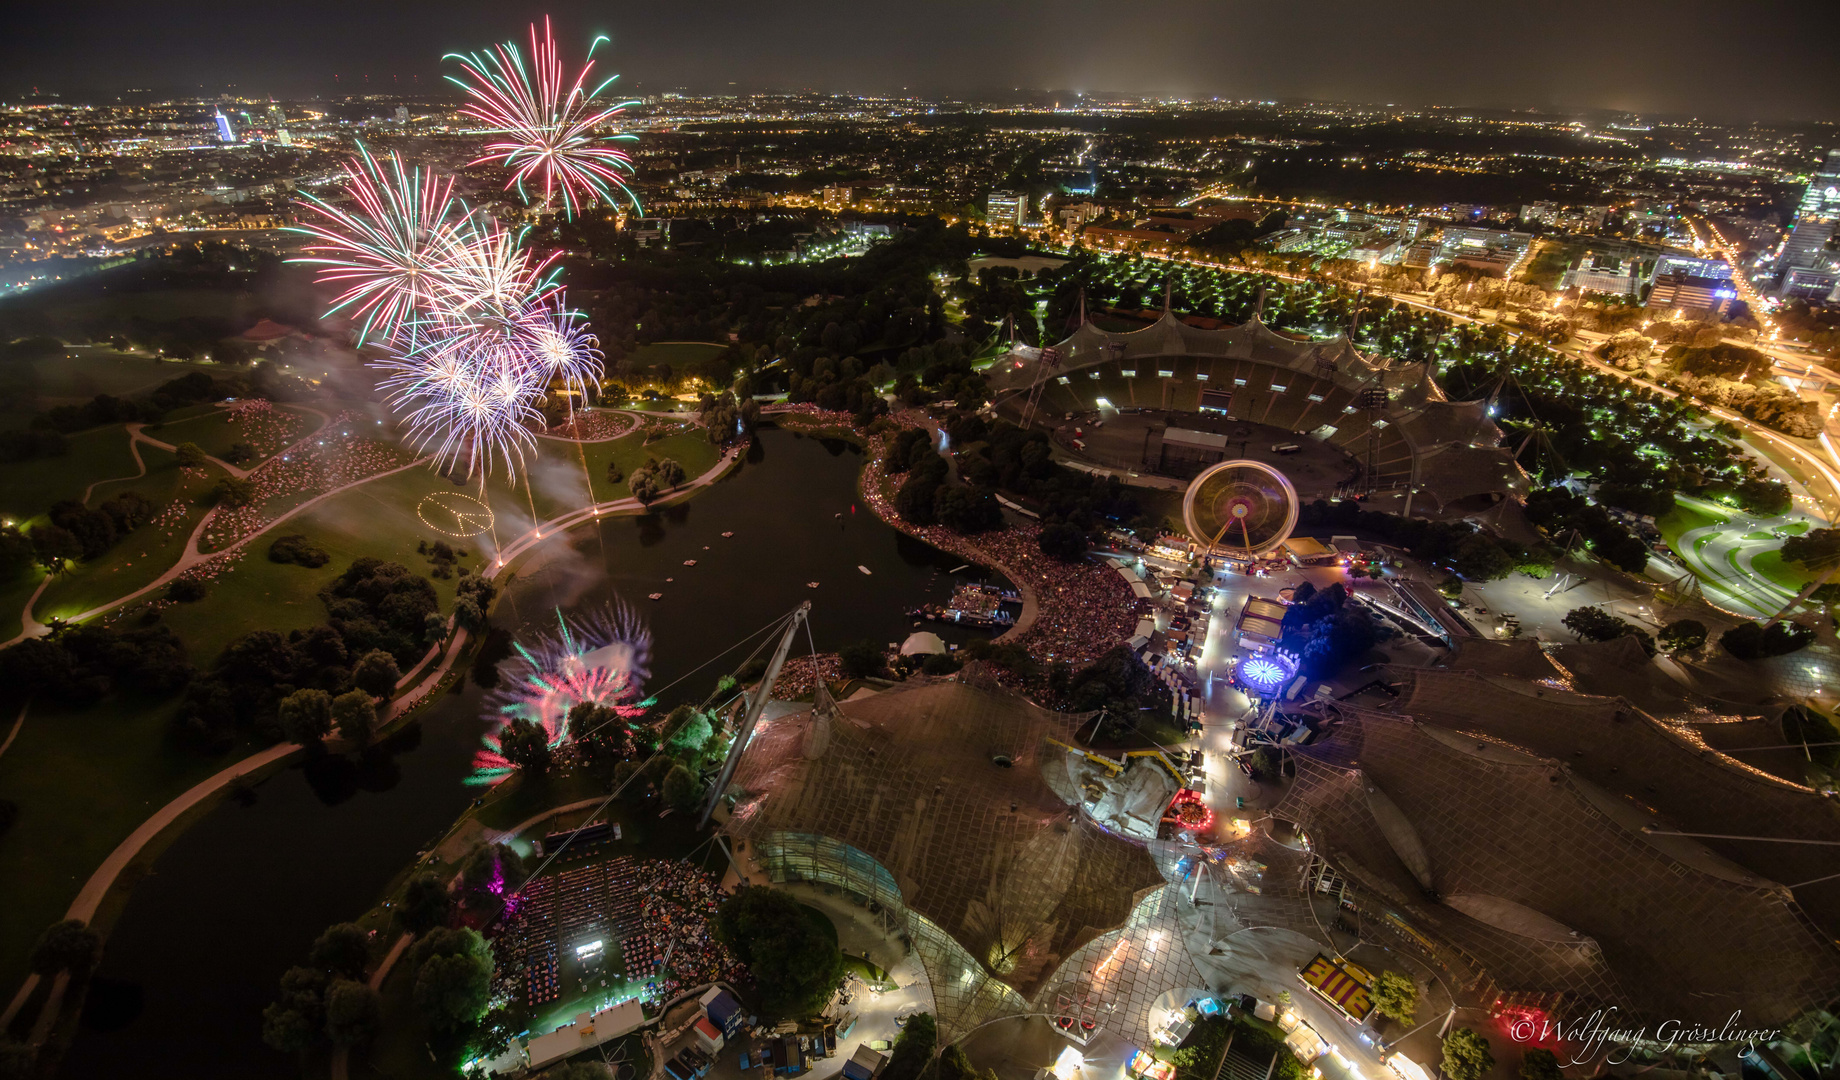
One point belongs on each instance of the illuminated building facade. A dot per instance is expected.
(1006, 208)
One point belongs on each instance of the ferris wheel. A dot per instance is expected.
(1241, 509)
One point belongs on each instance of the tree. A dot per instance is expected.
(296, 548)
(55, 546)
(355, 714)
(66, 946)
(915, 498)
(789, 947)
(344, 949)
(965, 509)
(190, 455)
(1466, 1055)
(187, 589)
(306, 716)
(861, 659)
(425, 904)
(1396, 996)
(1752, 641)
(670, 473)
(492, 872)
(1537, 1064)
(1816, 551)
(353, 1013)
(295, 1020)
(954, 1065)
(376, 674)
(287, 1029)
(231, 491)
(689, 730)
(682, 790)
(644, 485)
(1479, 558)
(453, 989)
(913, 1051)
(1683, 634)
(525, 745)
(615, 474)
(1065, 542)
(1594, 623)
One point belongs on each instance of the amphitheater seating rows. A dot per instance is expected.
(1293, 408)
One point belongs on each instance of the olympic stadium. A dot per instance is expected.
(1390, 415)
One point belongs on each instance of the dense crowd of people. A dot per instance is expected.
(597, 426)
(1082, 609)
(654, 915)
(799, 678)
(676, 917)
(334, 456)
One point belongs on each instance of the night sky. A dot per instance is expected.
(1731, 59)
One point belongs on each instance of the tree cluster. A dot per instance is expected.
(1596, 624)
(379, 618)
(152, 408)
(74, 531)
(654, 478)
(297, 549)
(1750, 641)
(1325, 631)
(790, 949)
(326, 1000)
(913, 1049)
(1560, 511)
(76, 665)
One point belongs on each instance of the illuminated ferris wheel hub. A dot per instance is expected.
(1241, 509)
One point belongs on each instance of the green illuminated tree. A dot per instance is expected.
(1466, 1055)
(1396, 996)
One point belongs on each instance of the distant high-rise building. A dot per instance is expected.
(224, 132)
(275, 116)
(1807, 242)
(402, 114)
(1823, 194)
(284, 136)
(1805, 260)
(1007, 207)
(1689, 294)
(837, 197)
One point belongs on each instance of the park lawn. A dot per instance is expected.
(83, 780)
(1684, 518)
(1787, 574)
(676, 353)
(142, 556)
(565, 476)
(28, 488)
(85, 371)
